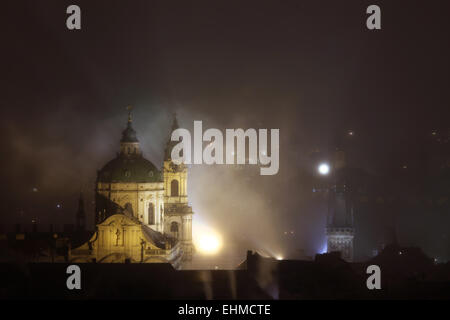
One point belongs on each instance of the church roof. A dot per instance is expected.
(134, 168)
(129, 134)
(155, 237)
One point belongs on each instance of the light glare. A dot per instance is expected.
(206, 240)
(324, 169)
(209, 243)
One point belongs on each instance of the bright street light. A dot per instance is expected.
(324, 169)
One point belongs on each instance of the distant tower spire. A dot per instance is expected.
(81, 215)
(170, 144)
(129, 108)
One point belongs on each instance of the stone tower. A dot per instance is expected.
(177, 212)
(340, 228)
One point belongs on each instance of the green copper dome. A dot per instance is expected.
(129, 165)
(129, 169)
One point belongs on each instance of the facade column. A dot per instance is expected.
(187, 228)
(157, 213)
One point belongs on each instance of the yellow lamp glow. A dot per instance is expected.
(206, 240)
(209, 243)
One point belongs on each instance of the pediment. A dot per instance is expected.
(119, 220)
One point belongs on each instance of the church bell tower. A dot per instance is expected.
(177, 212)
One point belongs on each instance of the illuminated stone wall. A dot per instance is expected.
(120, 238)
(140, 196)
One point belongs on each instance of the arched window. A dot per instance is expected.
(151, 214)
(174, 188)
(174, 228)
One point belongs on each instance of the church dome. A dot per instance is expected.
(135, 169)
(129, 134)
(129, 165)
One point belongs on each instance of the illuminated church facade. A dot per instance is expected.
(141, 213)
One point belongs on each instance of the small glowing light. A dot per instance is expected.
(35, 189)
(279, 257)
(324, 169)
(400, 253)
(58, 206)
(351, 132)
(405, 167)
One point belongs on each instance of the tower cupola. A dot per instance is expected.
(129, 144)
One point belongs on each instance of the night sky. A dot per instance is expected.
(310, 68)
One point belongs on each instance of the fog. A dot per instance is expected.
(64, 99)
